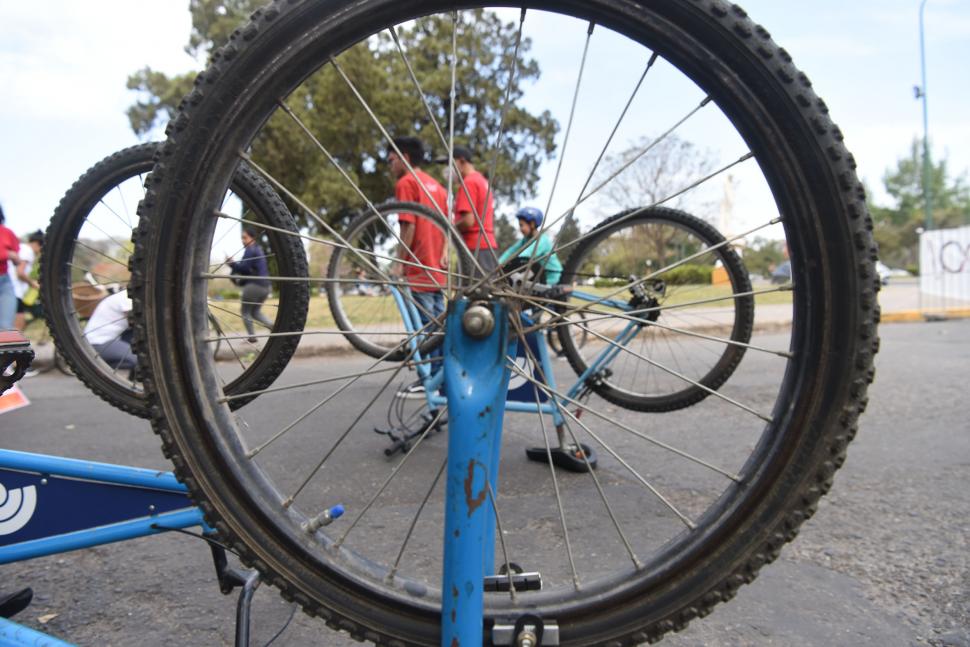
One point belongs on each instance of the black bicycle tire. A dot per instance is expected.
(360, 342)
(829, 230)
(740, 330)
(55, 280)
(553, 338)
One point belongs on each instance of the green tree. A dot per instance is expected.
(895, 226)
(327, 106)
(762, 256)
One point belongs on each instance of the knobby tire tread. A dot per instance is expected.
(829, 453)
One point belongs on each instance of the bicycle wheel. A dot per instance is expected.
(682, 509)
(362, 302)
(88, 248)
(667, 320)
(579, 331)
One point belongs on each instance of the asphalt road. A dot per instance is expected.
(885, 561)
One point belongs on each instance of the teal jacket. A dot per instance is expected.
(525, 247)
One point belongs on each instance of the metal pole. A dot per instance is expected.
(927, 197)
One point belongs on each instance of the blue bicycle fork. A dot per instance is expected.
(476, 377)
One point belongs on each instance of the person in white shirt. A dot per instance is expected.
(109, 333)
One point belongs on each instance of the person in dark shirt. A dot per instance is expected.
(255, 285)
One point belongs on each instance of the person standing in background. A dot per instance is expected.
(474, 210)
(253, 271)
(423, 243)
(9, 252)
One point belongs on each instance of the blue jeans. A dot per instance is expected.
(8, 302)
(117, 353)
(429, 305)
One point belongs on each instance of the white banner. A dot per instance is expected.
(944, 262)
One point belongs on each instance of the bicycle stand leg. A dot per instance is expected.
(476, 383)
(243, 607)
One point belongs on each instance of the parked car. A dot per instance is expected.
(782, 273)
(885, 272)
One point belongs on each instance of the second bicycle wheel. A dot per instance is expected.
(678, 323)
(86, 258)
(684, 506)
(365, 305)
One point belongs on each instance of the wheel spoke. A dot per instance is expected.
(501, 538)
(555, 394)
(394, 472)
(107, 279)
(414, 520)
(325, 380)
(641, 210)
(555, 480)
(589, 468)
(572, 113)
(390, 141)
(124, 221)
(632, 316)
(252, 453)
(640, 281)
(123, 245)
(683, 377)
(100, 253)
(124, 202)
(289, 500)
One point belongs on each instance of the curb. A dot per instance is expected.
(916, 316)
(898, 316)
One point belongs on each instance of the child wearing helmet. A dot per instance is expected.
(533, 246)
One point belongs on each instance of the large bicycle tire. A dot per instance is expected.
(740, 326)
(824, 390)
(62, 319)
(336, 289)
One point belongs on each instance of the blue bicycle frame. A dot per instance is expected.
(475, 377)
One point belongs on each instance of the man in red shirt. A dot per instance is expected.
(474, 204)
(423, 241)
(9, 251)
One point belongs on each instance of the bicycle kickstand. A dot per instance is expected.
(229, 578)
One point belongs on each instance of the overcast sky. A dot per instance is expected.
(63, 67)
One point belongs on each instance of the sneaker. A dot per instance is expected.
(30, 373)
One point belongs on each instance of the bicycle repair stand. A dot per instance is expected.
(52, 505)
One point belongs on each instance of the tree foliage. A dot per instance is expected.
(648, 172)
(762, 256)
(327, 106)
(896, 225)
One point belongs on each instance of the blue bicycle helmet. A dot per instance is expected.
(530, 214)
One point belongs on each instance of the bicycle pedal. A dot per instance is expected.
(521, 582)
(572, 461)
